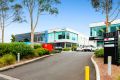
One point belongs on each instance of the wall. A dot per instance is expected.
(84, 40)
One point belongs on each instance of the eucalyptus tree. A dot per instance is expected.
(37, 8)
(10, 11)
(106, 7)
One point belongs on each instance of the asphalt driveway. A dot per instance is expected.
(64, 66)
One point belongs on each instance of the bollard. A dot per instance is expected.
(18, 57)
(109, 65)
(87, 73)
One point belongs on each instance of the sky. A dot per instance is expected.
(74, 14)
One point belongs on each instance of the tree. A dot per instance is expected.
(37, 8)
(12, 38)
(106, 6)
(10, 12)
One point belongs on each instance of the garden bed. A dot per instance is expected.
(9, 52)
(103, 70)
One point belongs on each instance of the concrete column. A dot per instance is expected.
(65, 45)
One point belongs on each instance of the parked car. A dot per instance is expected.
(79, 49)
(58, 48)
(89, 48)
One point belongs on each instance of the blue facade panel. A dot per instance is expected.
(46, 36)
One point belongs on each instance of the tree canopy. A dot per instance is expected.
(10, 11)
(37, 8)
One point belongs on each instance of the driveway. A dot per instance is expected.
(64, 66)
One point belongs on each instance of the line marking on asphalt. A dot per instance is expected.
(8, 77)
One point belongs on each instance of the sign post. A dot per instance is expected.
(109, 65)
(18, 57)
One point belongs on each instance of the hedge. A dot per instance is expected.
(41, 51)
(99, 53)
(14, 48)
(37, 46)
(66, 49)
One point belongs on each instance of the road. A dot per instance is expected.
(64, 66)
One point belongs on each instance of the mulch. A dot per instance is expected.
(104, 69)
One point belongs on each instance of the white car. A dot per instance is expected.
(79, 49)
(89, 48)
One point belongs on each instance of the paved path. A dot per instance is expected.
(64, 66)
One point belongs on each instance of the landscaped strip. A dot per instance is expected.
(104, 70)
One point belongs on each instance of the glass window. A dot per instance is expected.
(67, 35)
(90, 31)
(41, 38)
(100, 33)
(61, 36)
(113, 29)
(73, 38)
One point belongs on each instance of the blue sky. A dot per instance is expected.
(74, 14)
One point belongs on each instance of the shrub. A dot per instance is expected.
(4, 49)
(66, 49)
(74, 48)
(41, 51)
(14, 48)
(99, 53)
(7, 60)
(37, 46)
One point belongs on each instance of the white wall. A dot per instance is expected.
(84, 40)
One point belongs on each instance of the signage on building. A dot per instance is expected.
(95, 38)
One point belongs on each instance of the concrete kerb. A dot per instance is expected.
(22, 63)
(96, 68)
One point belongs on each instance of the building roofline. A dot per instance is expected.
(63, 29)
(56, 29)
(117, 21)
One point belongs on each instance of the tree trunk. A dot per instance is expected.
(32, 38)
(2, 25)
(3, 30)
(107, 24)
(3, 35)
(107, 20)
(32, 30)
